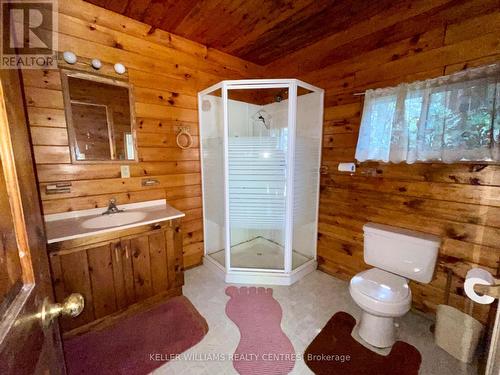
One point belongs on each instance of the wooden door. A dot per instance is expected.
(493, 359)
(26, 346)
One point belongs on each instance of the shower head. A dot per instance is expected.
(262, 117)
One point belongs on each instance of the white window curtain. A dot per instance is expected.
(451, 119)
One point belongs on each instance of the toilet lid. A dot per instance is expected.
(381, 285)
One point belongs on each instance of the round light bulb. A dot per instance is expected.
(120, 68)
(69, 57)
(96, 63)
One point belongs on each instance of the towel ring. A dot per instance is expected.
(184, 132)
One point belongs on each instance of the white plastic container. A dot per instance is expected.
(457, 333)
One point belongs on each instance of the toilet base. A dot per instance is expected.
(377, 330)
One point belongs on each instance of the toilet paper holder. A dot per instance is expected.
(488, 290)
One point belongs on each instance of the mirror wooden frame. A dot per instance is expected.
(65, 74)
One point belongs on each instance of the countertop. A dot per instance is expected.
(69, 225)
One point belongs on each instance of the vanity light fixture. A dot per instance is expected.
(119, 68)
(96, 64)
(69, 57)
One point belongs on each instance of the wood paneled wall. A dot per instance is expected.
(167, 72)
(407, 41)
(458, 202)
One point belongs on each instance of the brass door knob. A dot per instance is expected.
(72, 306)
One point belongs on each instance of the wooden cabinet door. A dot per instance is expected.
(100, 260)
(70, 274)
(93, 271)
(27, 345)
(173, 235)
(141, 265)
(123, 273)
(158, 260)
(157, 264)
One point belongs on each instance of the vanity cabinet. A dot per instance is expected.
(118, 272)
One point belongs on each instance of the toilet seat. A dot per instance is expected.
(381, 293)
(381, 285)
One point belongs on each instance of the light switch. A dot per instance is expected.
(125, 171)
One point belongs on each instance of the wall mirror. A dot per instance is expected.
(100, 118)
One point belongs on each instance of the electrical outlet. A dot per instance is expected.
(125, 171)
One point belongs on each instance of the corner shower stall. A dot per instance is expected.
(261, 151)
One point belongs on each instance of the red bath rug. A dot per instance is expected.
(334, 351)
(139, 344)
(264, 349)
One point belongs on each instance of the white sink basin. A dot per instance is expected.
(113, 220)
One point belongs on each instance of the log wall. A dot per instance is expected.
(458, 202)
(407, 41)
(166, 72)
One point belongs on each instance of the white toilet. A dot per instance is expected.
(383, 292)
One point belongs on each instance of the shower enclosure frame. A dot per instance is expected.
(287, 275)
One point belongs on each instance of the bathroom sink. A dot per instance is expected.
(113, 220)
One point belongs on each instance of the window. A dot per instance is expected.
(451, 119)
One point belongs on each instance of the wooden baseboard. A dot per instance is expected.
(334, 272)
(109, 320)
(194, 265)
(192, 260)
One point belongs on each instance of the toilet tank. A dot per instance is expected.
(401, 251)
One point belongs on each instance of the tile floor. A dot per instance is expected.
(307, 305)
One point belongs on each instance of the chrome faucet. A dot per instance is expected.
(112, 209)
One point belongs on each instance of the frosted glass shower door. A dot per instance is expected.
(212, 148)
(307, 157)
(257, 176)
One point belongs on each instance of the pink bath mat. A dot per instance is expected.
(139, 344)
(264, 349)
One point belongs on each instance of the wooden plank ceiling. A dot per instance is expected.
(260, 31)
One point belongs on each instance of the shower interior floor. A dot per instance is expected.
(258, 252)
